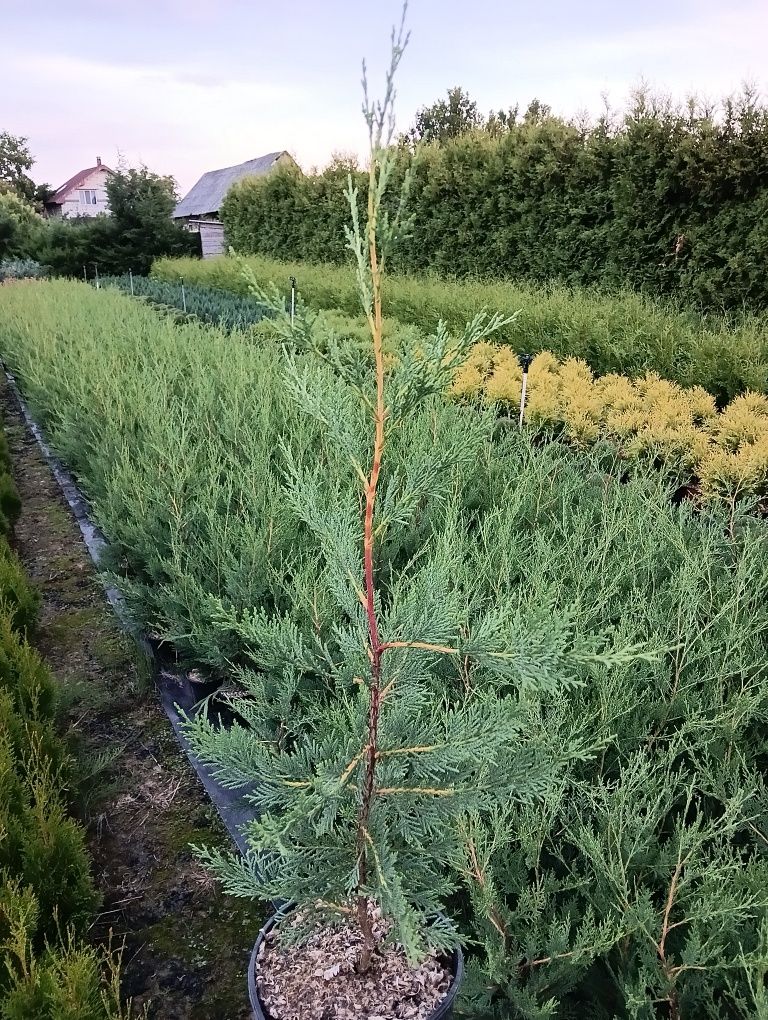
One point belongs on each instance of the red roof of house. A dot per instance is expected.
(60, 195)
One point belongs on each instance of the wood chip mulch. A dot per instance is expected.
(318, 979)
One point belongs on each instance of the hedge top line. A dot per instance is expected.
(670, 203)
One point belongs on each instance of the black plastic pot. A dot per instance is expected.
(443, 1010)
(204, 687)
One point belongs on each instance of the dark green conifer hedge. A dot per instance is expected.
(669, 200)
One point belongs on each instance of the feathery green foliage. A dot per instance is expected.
(623, 332)
(69, 982)
(152, 415)
(359, 807)
(20, 269)
(18, 599)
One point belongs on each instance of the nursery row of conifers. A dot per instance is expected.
(716, 454)
(624, 332)
(47, 897)
(232, 311)
(635, 883)
(679, 429)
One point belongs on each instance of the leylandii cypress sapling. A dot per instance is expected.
(360, 808)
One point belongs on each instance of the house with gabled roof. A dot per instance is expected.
(84, 194)
(199, 209)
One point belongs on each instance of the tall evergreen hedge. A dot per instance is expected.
(667, 200)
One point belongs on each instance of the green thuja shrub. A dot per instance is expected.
(10, 504)
(17, 596)
(12, 789)
(24, 675)
(411, 701)
(54, 862)
(23, 733)
(41, 848)
(66, 982)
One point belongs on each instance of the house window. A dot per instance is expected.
(88, 196)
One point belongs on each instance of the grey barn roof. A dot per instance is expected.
(208, 194)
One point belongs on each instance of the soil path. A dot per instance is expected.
(186, 944)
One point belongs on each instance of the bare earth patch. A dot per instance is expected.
(318, 980)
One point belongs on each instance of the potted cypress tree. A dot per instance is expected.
(402, 712)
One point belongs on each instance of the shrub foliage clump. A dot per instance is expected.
(666, 200)
(624, 333)
(634, 885)
(218, 307)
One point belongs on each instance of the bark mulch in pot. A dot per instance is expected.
(319, 980)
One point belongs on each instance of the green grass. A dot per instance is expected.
(625, 333)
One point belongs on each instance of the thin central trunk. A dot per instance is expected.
(375, 651)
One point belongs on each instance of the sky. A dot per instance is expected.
(186, 86)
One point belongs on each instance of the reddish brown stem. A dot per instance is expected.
(375, 652)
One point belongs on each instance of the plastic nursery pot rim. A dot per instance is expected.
(442, 1011)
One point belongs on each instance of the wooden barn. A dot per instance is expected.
(199, 209)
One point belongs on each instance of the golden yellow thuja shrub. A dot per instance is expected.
(580, 402)
(646, 418)
(743, 422)
(670, 423)
(505, 379)
(737, 464)
(624, 412)
(734, 475)
(471, 378)
(543, 405)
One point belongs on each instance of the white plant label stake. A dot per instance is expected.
(183, 297)
(130, 274)
(525, 364)
(293, 299)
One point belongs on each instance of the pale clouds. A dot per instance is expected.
(570, 62)
(174, 120)
(188, 85)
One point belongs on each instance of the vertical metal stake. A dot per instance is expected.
(130, 274)
(522, 398)
(183, 296)
(293, 299)
(525, 363)
(85, 273)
